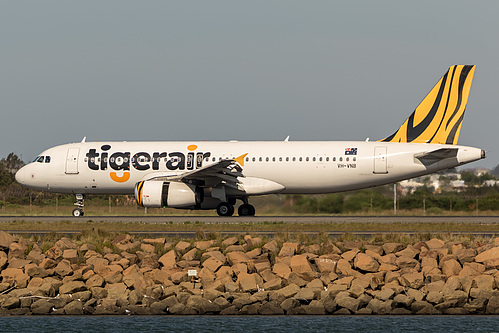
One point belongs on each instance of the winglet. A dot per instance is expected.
(240, 159)
(438, 118)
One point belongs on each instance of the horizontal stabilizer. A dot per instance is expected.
(435, 156)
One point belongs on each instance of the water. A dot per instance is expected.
(296, 324)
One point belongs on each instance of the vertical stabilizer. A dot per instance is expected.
(438, 118)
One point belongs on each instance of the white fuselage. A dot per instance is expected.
(269, 167)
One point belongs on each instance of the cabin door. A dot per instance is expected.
(72, 160)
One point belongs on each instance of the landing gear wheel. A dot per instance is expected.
(225, 209)
(246, 210)
(77, 212)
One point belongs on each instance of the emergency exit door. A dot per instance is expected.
(380, 160)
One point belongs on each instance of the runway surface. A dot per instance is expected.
(260, 219)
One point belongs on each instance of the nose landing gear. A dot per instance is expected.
(77, 212)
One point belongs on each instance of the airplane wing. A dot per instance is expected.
(428, 158)
(224, 171)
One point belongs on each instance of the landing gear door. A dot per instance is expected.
(72, 160)
(380, 160)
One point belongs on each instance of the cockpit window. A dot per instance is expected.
(47, 159)
(40, 159)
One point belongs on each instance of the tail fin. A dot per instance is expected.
(438, 118)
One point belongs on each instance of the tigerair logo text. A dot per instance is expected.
(142, 161)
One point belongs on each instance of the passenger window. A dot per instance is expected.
(280, 159)
(273, 159)
(313, 159)
(347, 159)
(341, 159)
(47, 159)
(334, 159)
(300, 159)
(306, 159)
(247, 159)
(327, 159)
(320, 159)
(355, 159)
(294, 159)
(267, 159)
(287, 159)
(260, 159)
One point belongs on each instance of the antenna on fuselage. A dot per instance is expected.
(287, 139)
(84, 139)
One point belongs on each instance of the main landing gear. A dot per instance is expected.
(227, 208)
(77, 212)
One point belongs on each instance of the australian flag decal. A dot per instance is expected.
(350, 151)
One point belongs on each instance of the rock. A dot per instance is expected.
(233, 248)
(133, 278)
(65, 243)
(305, 295)
(41, 307)
(168, 260)
(72, 287)
(410, 252)
(325, 264)
(13, 276)
(201, 305)
(493, 305)
(271, 308)
(385, 294)
(288, 249)
(466, 255)
(486, 282)
(63, 268)
(314, 308)
(154, 241)
(282, 270)
(237, 257)
(247, 282)
(435, 297)
(301, 266)
(392, 247)
(412, 280)
(366, 263)
(457, 297)
(271, 247)
(488, 255)
(435, 243)
(350, 255)
(190, 255)
(147, 248)
(347, 302)
(11, 302)
(54, 253)
(74, 308)
(95, 281)
(451, 267)
(5, 240)
(289, 291)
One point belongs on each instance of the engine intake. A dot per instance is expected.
(157, 194)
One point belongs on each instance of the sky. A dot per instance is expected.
(237, 70)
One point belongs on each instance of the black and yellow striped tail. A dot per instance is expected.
(438, 118)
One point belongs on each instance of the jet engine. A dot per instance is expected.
(156, 194)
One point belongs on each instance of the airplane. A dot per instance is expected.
(214, 175)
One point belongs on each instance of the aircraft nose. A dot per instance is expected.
(22, 175)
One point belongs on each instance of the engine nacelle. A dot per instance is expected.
(156, 194)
